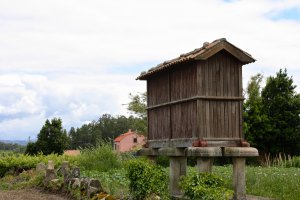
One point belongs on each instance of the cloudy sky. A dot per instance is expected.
(77, 59)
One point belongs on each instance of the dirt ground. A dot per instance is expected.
(30, 194)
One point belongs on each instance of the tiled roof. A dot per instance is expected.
(122, 136)
(203, 53)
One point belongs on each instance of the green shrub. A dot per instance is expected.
(115, 182)
(163, 161)
(102, 158)
(205, 186)
(146, 178)
(16, 163)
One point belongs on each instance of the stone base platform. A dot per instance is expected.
(205, 157)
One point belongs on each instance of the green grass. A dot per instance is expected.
(275, 182)
(101, 162)
(114, 182)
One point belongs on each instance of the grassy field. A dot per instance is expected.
(102, 163)
(275, 182)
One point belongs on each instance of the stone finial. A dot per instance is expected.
(205, 44)
(50, 164)
(65, 165)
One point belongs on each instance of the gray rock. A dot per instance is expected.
(75, 183)
(75, 173)
(55, 184)
(91, 186)
(41, 167)
(96, 184)
(92, 191)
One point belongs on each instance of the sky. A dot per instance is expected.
(77, 60)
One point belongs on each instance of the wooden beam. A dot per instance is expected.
(196, 98)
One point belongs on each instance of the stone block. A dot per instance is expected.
(240, 152)
(41, 167)
(50, 175)
(169, 151)
(204, 151)
(147, 152)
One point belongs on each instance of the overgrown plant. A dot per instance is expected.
(146, 179)
(102, 158)
(205, 186)
(16, 163)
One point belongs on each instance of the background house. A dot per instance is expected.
(128, 141)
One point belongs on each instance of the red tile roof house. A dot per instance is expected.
(129, 141)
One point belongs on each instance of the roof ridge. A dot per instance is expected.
(190, 56)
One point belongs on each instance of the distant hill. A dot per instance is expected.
(19, 142)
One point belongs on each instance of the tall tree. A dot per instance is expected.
(138, 107)
(51, 139)
(281, 104)
(255, 121)
(138, 104)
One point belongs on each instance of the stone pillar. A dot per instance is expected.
(239, 178)
(204, 164)
(239, 155)
(205, 156)
(50, 173)
(178, 166)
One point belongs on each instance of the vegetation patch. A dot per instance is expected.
(146, 179)
(205, 186)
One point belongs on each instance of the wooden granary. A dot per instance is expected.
(196, 99)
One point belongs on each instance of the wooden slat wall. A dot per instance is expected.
(219, 76)
(158, 89)
(159, 123)
(183, 119)
(183, 82)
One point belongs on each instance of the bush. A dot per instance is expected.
(204, 186)
(101, 158)
(146, 179)
(163, 161)
(16, 163)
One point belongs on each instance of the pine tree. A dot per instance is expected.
(281, 104)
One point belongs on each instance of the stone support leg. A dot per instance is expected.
(239, 179)
(204, 164)
(153, 158)
(178, 166)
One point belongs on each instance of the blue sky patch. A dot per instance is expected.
(287, 14)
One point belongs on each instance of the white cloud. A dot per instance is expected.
(78, 59)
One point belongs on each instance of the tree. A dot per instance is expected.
(282, 106)
(138, 104)
(51, 139)
(31, 148)
(107, 127)
(138, 107)
(255, 121)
